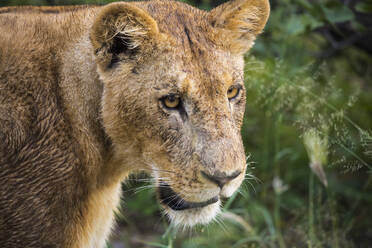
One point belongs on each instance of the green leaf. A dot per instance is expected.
(310, 22)
(294, 26)
(337, 12)
(364, 7)
(299, 24)
(154, 244)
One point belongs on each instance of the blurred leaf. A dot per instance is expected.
(153, 244)
(268, 219)
(358, 27)
(310, 21)
(364, 7)
(294, 26)
(298, 24)
(238, 220)
(246, 240)
(337, 12)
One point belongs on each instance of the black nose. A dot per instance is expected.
(220, 178)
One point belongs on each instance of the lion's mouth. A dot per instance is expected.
(174, 201)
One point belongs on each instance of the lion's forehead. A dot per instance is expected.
(180, 20)
(196, 61)
(188, 29)
(209, 76)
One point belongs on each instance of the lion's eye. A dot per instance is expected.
(233, 92)
(171, 101)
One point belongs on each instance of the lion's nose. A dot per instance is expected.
(220, 178)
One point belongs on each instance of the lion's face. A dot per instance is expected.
(194, 148)
(179, 100)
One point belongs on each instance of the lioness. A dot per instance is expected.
(90, 94)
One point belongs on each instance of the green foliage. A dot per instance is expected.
(364, 6)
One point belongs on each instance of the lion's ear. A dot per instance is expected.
(239, 22)
(122, 31)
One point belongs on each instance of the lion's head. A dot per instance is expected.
(174, 91)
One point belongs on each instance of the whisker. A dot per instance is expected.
(220, 223)
(153, 167)
(171, 198)
(248, 157)
(252, 177)
(252, 186)
(161, 170)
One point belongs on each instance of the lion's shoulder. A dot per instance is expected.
(54, 22)
(44, 9)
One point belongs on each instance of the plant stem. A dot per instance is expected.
(277, 221)
(312, 237)
(277, 175)
(333, 212)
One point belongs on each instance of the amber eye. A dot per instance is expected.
(171, 101)
(232, 92)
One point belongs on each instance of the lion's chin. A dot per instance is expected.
(193, 216)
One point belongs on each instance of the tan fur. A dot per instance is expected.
(81, 92)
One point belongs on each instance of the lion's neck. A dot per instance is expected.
(81, 95)
(82, 92)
